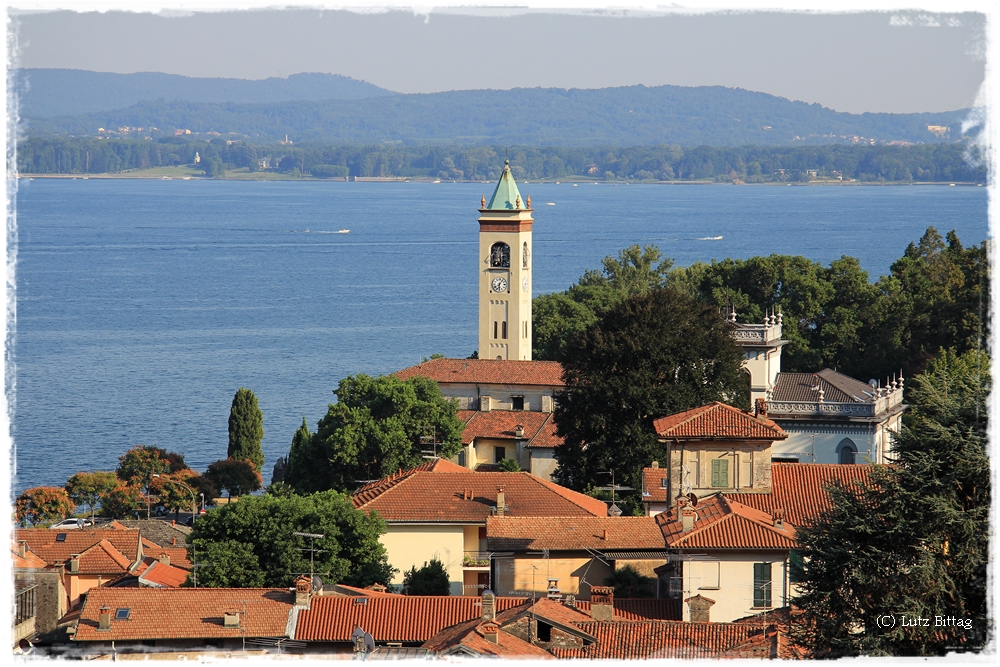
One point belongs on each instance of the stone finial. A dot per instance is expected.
(529, 201)
(732, 314)
(779, 317)
(517, 202)
(483, 202)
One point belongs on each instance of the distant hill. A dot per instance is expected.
(63, 92)
(625, 116)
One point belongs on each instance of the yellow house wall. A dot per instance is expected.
(727, 578)
(527, 574)
(749, 467)
(411, 545)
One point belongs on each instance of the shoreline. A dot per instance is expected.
(363, 179)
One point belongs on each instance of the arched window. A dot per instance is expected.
(503, 329)
(524, 255)
(500, 255)
(494, 329)
(847, 452)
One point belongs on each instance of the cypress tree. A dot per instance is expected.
(246, 429)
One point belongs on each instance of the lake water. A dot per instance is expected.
(143, 305)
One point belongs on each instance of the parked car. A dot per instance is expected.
(160, 510)
(72, 524)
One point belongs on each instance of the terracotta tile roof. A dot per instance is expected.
(104, 558)
(185, 613)
(623, 640)
(163, 576)
(837, 388)
(722, 523)
(353, 591)
(500, 425)
(800, 489)
(488, 371)
(469, 637)
(519, 533)
(30, 560)
(437, 491)
(640, 609)
(559, 612)
(43, 542)
(178, 555)
(652, 485)
(400, 618)
(163, 533)
(717, 421)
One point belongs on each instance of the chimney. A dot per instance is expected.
(104, 619)
(303, 591)
(760, 409)
(604, 535)
(22, 549)
(519, 432)
(654, 465)
(175, 541)
(571, 601)
(491, 632)
(687, 519)
(501, 504)
(779, 518)
(602, 603)
(231, 619)
(553, 591)
(489, 606)
(74, 563)
(165, 558)
(700, 608)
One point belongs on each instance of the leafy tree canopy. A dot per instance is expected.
(139, 464)
(236, 477)
(431, 579)
(916, 542)
(42, 504)
(87, 488)
(652, 355)
(378, 425)
(251, 543)
(246, 429)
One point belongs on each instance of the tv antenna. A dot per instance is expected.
(613, 510)
(312, 548)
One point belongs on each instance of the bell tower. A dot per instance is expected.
(505, 272)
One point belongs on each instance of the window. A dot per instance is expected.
(705, 574)
(795, 574)
(500, 255)
(517, 402)
(122, 613)
(524, 255)
(847, 452)
(720, 473)
(61, 537)
(544, 632)
(495, 329)
(503, 330)
(499, 454)
(761, 584)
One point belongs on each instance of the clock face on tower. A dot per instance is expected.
(499, 284)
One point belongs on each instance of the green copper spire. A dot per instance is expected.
(506, 196)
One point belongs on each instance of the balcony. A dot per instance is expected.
(476, 560)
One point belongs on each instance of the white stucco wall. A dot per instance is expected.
(818, 443)
(411, 545)
(727, 578)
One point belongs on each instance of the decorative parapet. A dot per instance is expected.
(886, 401)
(757, 334)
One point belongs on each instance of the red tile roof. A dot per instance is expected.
(30, 560)
(354, 591)
(470, 637)
(519, 533)
(42, 541)
(559, 612)
(800, 489)
(160, 575)
(652, 485)
(185, 613)
(437, 492)
(488, 371)
(400, 618)
(103, 558)
(640, 609)
(178, 555)
(623, 640)
(725, 524)
(717, 421)
(501, 424)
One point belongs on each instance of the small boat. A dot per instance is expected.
(166, 178)
(550, 203)
(574, 185)
(307, 231)
(435, 181)
(344, 231)
(711, 238)
(951, 185)
(187, 178)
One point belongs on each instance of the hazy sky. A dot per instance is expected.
(875, 61)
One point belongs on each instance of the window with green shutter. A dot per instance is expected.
(761, 584)
(720, 473)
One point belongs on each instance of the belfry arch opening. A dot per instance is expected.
(500, 255)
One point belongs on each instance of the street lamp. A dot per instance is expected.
(194, 501)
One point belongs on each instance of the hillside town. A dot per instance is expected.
(703, 558)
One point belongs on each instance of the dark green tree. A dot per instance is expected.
(257, 532)
(650, 356)
(235, 477)
(246, 429)
(630, 583)
(375, 428)
(915, 543)
(431, 579)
